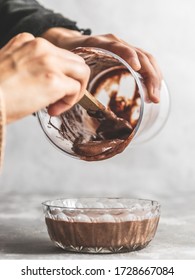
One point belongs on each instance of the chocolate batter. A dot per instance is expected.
(113, 236)
(96, 136)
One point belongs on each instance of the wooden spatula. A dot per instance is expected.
(89, 102)
(110, 125)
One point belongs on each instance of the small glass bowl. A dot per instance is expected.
(101, 225)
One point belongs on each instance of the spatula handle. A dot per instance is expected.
(89, 102)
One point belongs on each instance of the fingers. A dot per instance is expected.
(138, 59)
(39, 47)
(37, 74)
(63, 74)
(69, 97)
(17, 42)
(112, 43)
(151, 73)
(71, 72)
(142, 62)
(153, 62)
(125, 52)
(78, 71)
(151, 77)
(59, 107)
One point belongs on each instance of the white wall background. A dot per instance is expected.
(159, 169)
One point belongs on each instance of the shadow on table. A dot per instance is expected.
(30, 247)
(20, 241)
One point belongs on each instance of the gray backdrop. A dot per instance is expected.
(164, 168)
(165, 29)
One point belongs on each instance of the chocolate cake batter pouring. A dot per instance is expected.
(95, 135)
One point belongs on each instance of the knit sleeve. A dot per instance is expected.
(2, 128)
(17, 16)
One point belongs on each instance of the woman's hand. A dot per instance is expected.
(138, 59)
(34, 74)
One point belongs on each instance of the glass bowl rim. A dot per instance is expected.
(154, 204)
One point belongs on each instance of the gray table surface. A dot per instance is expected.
(23, 232)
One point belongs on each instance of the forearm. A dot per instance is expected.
(61, 37)
(28, 16)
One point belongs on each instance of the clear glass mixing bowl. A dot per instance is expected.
(110, 73)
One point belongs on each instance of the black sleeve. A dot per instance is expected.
(18, 16)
